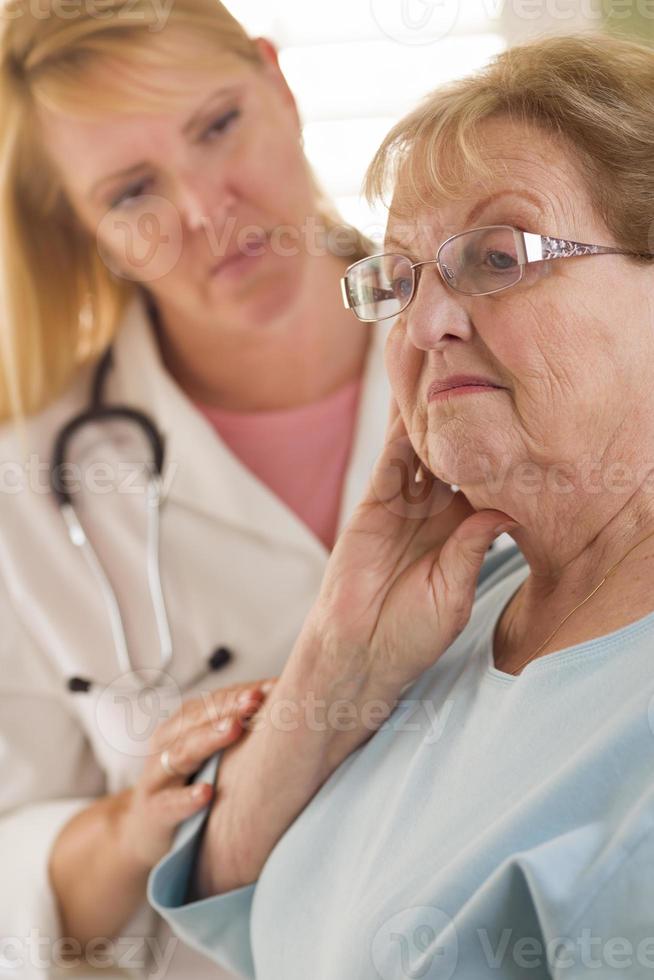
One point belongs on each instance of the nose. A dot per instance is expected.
(437, 314)
(203, 203)
(191, 203)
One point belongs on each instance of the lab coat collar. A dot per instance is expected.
(201, 473)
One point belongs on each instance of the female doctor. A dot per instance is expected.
(167, 510)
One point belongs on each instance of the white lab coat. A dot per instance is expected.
(238, 568)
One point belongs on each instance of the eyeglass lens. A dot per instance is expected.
(484, 260)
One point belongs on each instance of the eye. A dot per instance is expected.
(500, 261)
(402, 287)
(400, 276)
(130, 194)
(222, 123)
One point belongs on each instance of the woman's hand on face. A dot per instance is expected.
(158, 802)
(401, 580)
(398, 588)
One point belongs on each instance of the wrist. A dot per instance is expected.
(355, 699)
(226, 858)
(325, 705)
(125, 836)
(202, 884)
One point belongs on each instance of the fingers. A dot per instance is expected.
(219, 704)
(462, 556)
(178, 803)
(466, 548)
(225, 699)
(150, 818)
(449, 511)
(196, 736)
(400, 480)
(160, 800)
(395, 427)
(393, 413)
(211, 705)
(189, 753)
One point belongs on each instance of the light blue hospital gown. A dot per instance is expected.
(495, 827)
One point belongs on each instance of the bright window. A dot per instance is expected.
(356, 66)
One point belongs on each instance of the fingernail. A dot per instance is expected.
(245, 698)
(223, 724)
(200, 790)
(267, 686)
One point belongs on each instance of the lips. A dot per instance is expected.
(460, 381)
(252, 249)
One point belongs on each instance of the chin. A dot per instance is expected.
(270, 305)
(461, 461)
(256, 306)
(270, 296)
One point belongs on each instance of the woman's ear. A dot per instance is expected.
(267, 50)
(270, 60)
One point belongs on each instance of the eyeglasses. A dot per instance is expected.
(475, 262)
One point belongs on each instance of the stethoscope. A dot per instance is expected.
(98, 412)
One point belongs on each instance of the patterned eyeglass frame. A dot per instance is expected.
(538, 248)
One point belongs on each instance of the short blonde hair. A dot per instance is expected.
(593, 90)
(59, 303)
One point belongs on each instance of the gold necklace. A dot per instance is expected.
(589, 596)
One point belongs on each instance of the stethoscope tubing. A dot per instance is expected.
(63, 494)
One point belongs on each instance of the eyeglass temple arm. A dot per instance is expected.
(379, 294)
(347, 302)
(539, 247)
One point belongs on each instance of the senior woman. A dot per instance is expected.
(165, 250)
(500, 821)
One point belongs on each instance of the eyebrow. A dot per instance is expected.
(478, 208)
(188, 126)
(481, 205)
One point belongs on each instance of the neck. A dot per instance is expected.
(304, 353)
(570, 548)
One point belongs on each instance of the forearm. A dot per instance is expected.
(98, 884)
(298, 741)
(396, 592)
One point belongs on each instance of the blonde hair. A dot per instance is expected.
(594, 91)
(59, 303)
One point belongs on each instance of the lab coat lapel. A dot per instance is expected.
(200, 472)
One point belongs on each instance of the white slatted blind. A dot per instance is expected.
(356, 66)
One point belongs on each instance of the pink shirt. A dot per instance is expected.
(301, 454)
